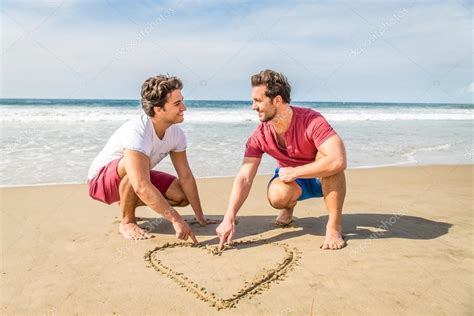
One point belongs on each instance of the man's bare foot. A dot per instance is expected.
(284, 219)
(133, 231)
(333, 240)
(282, 224)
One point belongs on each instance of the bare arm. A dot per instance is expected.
(242, 185)
(188, 182)
(137, 167)
(331, 160)
(240, 191)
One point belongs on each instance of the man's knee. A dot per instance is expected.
(183, 202)
(176, 195)
(280, 195)
(179, 200)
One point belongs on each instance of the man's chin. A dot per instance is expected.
(265, 118)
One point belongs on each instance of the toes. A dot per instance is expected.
(135, 236)
(147, 236)
(141, 235)
(282, 224)
(341, 244)
(338, 245)
(134, 232)
(138, 236)
(333, 245)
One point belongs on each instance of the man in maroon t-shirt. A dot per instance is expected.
(311, 159)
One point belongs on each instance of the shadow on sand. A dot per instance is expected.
(355, 226)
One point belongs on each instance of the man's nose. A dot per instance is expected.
(254, 105)
(184, 107)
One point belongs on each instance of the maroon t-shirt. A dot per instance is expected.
(307, 131)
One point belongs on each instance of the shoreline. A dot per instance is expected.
(395, 165)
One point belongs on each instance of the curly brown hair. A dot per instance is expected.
(156, 90)
(275, 82)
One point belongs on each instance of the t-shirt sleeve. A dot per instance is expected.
(133, 137)
(253, 148)
(181, 143)
(320, 130)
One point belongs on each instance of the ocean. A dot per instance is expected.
(54, 141)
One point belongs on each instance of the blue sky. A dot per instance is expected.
(377, 51)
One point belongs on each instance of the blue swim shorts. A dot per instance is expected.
(311, 187)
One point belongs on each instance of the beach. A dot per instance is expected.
(105, 92)
(409, 233)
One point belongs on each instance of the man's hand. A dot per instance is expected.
(286, 174)
(225, 231)
(202, 221)
(183, 231)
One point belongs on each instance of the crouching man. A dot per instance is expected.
(122, 172)
(310, 155)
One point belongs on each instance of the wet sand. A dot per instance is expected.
(410, 251)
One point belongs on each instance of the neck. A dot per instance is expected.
(282, 120)
(160, 127)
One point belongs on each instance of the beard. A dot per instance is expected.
(267, 116)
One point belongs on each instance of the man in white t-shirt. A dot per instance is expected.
(122, 172)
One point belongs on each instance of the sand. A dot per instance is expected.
(410, 251)
(252, 286)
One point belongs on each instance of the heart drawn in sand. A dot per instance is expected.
(260, 282)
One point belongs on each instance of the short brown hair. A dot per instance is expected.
(156, 90)
(275, 82)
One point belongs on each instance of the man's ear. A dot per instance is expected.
(160, 109)
(277, 100)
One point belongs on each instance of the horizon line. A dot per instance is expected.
(236, 100)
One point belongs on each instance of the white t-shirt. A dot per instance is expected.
(138, 134)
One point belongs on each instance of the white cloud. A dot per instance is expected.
(469, 89)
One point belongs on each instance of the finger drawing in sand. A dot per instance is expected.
(260, 282)
(122, 171)
(311, 159)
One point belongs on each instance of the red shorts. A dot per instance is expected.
(105, 185)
